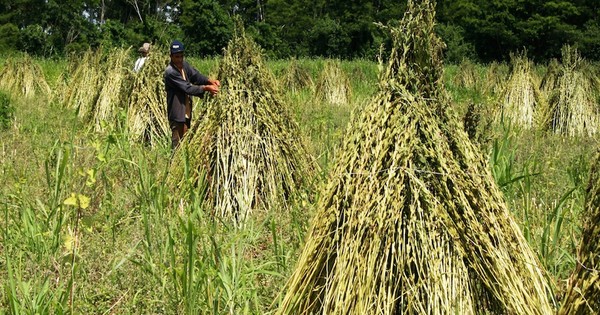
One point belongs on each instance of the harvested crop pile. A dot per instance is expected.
(521, 95)
(296, 78)
(553, 70)
(477, 123)
(245, 145)
(84, 83)
(583, 294)
(22, 76)
(573, 107)
(411, 220)
(147, 114)
(495, 79)
(334, 85)
(467, 75)
(114, 88)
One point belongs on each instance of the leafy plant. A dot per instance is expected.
(7, 111)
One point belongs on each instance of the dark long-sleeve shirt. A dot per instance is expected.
(178, 88)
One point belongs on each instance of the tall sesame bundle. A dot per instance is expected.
(573, 106)
(552, 74)
(114, 88)
(522, 100)
(22, 76)
(333, 85)
(295, 77)
(583, 293)
(467, 75)
(84, 83)
(147, 106)
(495, 78)
(245, 144)
(411, 220)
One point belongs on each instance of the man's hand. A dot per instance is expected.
(213, 88)
(214, 82)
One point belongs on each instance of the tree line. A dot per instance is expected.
(481, 30)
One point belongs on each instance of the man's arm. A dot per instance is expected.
(210, 85)
(174, 79)
(195, 76)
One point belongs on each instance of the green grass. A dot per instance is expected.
(137, 249)
(543, 177)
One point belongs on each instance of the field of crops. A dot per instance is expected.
(298, 184)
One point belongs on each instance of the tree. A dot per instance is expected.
(590, 43)
(67, 26)
(498, 27)
(9, 37)
(206, 25)
(291, 20)
(328, 38)
(265, 35)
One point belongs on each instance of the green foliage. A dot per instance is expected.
(153, 30)
(207, 27)
(9, 37)
(33, 39)
(115, 34)
(329, 38)
(496, 28)
(457, 48)
(590, 42)
(69, 30)
(475, 29)
(265, 35)
(7, 111)
(291, 20)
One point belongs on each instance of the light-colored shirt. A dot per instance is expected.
(139, 63)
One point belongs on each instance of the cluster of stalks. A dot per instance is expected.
(101, 84)
(495, 79)
(522, 100)
(114, 89)
(84, 83)
(412, 221)
(245, 144)
(467, 75)
(296, 78)
(22, 76)
(573, 104)
(147, 106)
(334, 85)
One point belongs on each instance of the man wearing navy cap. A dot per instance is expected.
(181, 82)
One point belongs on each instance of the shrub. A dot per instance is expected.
(6, 110)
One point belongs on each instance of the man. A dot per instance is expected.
(139, 63)
(181, 82)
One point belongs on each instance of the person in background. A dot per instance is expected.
(182, 81)
(139, 63)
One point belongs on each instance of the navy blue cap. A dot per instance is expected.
(176, 47)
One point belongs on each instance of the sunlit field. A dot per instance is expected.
(91, 221)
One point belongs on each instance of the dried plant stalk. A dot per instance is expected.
(467, 75)
(245, 143)
(296, 78)
(84, 83)
(22, 76)
(573, 107)
(114, 89)
(411, 221)
(334, 85)
(147, 112)
(495, 79)
(522, 99)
